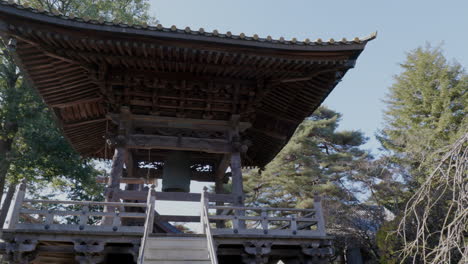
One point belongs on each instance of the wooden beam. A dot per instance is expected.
(105, 180)
(142, 177)
(175, 196)
(77, 124)
(270, 133)
(139, 141)
(183, 123)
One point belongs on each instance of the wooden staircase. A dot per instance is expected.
(176, 250)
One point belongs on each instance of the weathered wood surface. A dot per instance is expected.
(6, 203)
(142, 141)
(175, 196)
(12, 217)
(272, 85)
(273, 221)
(149, 223)
(180, 123)
(206, 227)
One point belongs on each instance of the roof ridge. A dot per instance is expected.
(188, 30)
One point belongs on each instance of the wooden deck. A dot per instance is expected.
(53, 231)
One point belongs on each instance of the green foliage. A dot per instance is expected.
(126, 11)
(426, 110)
(387, 240)
(317, 159)
(38, 151)
(321, 159)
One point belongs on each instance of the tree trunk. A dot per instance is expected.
(5, 149)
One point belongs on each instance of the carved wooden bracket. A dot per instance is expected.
(317, 252)
(257, 252)
(89, 252)
(21, 251)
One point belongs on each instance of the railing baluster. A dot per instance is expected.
(264, 216)
(116, 222)
(84, 215)
(235, 221)
(294, 224)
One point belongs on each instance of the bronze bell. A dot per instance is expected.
(176, 172)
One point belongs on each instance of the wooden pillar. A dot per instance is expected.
(219, 184)
(118, 161)
(114, 181)
(236, 167)
(116, 173)
(237, 181)
(121, 155)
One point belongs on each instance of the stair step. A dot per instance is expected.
(176, 250)
(176, 254)
(171, 243)
(177, 262)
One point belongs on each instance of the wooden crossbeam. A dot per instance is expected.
(174, 122)
(174, 196)
(140, 141)
(142, 177)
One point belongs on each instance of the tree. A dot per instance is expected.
(427, 112)
(31, 145)
(320, 159)
(316, 159)
(126, 11)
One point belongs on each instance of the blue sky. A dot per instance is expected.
(402, 26)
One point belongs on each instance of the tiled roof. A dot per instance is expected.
(188, 30)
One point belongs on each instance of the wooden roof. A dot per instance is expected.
(85, 69)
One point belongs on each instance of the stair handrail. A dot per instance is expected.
(206, 229)
(149, 222)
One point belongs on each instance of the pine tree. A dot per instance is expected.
(316, 159)
(320, 159)
(426, 110)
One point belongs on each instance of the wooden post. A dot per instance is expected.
(150, 206)
(219, 183)
(319, 215)
(7, 203)
(114, 181)
(116, 171)
(204, 204)
(294, 224)
(13, 214)
(149, 223)
(264, 215)
(237, 181)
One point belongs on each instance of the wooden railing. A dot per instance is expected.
(149, 223)
(69, 215)
(273, 221)
(206, 227)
